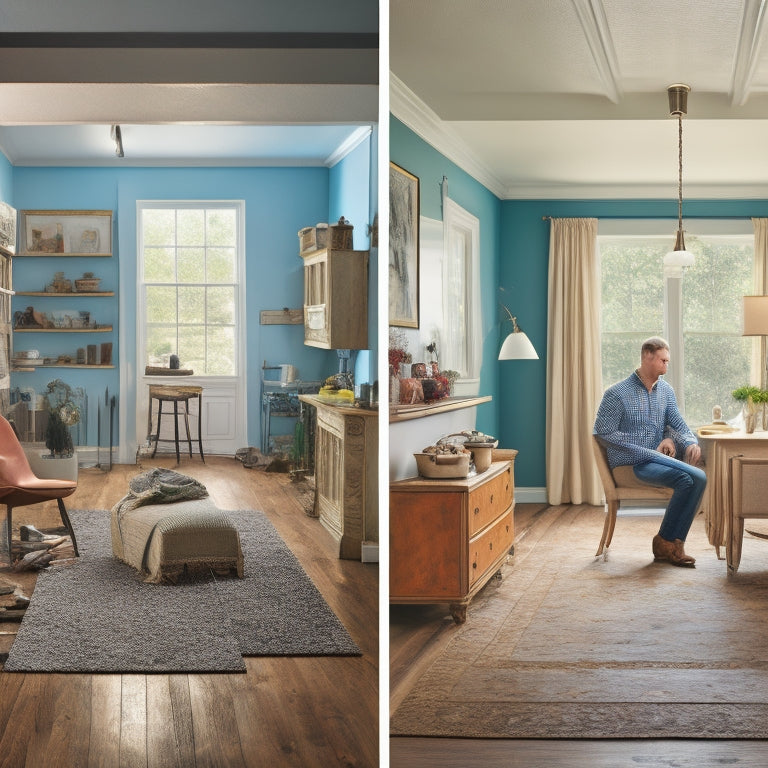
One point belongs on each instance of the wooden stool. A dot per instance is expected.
(172, 394)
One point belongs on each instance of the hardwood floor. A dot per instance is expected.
(419, 633)
(315, 711)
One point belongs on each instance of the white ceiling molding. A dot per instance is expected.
(407, 107)
(748, 50)
(352, 143)
(595, 25)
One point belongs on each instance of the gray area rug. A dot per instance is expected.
(565, 646)
(97, 615)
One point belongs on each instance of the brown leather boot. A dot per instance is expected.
(671, 552)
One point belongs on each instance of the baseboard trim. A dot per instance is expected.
(531, 495)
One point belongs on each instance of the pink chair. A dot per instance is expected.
(19, 486)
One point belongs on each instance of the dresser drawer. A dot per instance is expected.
(489, 501)
(490, 546)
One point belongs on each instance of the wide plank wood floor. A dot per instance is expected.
(419, 633)
(314, 711)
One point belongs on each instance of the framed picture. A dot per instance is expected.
(403, 248)
(65, 233)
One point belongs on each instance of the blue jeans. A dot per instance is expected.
(688, 483)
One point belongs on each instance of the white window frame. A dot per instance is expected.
(461, 230)
(239, 207)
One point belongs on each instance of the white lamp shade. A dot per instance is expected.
(679, 259)
(517, 346)
(755, 316)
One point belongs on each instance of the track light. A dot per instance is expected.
(117, 136)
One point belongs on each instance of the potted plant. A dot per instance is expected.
(750, 397)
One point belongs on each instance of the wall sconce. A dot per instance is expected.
(517, 346)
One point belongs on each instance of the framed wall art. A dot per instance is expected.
(7, 229)
(403, 247)
(65, 233)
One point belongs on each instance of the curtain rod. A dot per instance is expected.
(545, 218)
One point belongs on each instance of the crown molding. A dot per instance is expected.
(525, 191)
(407, 107)
(350, 144)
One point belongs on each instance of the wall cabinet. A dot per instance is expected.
(336, 299)
(449, 537)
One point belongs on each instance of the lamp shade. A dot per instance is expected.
(755, 316)
(517, 346)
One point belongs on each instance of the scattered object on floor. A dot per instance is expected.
(252, 458)
(30, 533)
(19, 486)
(98, 616)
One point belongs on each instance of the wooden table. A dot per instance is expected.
(717, 451)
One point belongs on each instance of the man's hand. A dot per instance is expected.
(667, 447)
(693, 453)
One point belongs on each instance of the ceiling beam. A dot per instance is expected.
(595, 25)
(747, 50)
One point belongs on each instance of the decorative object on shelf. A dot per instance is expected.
(313, 238)
(341, 235)
(7, 229)
(31, 318)
(444, 460)
(72, 233)
(403, 247)
(59, 284)
(88, 283)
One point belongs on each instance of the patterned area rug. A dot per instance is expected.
(566, 646)
(97, 615)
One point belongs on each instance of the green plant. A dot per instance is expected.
(58, 439)
(749, 392)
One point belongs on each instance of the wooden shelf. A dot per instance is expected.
(419, 410)
(39, 255)
(71, 293)
(98, 329)
(30, 369)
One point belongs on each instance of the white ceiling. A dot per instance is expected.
(236, 82)
(567, 98)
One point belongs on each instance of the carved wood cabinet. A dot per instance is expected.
(346, 474)
(449, 537)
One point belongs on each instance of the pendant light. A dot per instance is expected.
(678, 258)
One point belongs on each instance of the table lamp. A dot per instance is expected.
(756, 318)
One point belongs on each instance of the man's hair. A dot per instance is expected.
(653, 345)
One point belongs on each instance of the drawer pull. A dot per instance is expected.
(474, 565)
(490, 546)
(477, 510)
(491, 498)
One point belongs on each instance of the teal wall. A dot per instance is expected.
(516, 259)
(278, 203)
(417, 157)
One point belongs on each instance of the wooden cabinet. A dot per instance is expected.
(346, 474)
(336, 299)
(447, 538)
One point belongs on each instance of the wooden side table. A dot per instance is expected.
(447, 538)
(176, 394)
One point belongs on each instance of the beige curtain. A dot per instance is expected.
(759, 348)
(574, 368)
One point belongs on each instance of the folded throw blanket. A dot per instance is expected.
(158, 486)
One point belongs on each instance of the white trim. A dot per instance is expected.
(407, 107)
(349, 145)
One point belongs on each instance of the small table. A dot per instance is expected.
(166, 393)
(717, 451)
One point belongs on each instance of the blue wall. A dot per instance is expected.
(6, 181)
(417, 157)
(278, 203)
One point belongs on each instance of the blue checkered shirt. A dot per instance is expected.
(633, 421)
